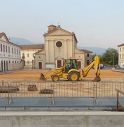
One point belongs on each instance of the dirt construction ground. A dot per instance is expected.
(115, 80)
(35, 74)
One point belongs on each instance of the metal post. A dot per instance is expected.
(113, 60)
(117, 107)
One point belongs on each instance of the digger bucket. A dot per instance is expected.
(97, 79)
(42, 77)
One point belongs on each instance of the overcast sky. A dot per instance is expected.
(98, 23)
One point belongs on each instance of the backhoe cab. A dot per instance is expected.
(70, 64)
(71, 72)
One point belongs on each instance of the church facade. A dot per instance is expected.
(60, 44)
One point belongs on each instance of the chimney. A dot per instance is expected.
(51, 28)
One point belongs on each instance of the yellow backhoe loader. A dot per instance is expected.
(71, 72)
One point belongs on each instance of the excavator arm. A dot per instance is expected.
(95, 66)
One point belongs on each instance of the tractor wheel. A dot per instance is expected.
(55, 78)
(73, 76)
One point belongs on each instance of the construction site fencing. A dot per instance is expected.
(60, 89)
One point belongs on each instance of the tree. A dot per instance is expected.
(110, 57)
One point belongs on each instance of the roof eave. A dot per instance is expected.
(75, 37)
(121, 45)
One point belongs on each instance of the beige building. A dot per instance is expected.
(60, 44)
(10, 57)
(121, 55)
(27, 54)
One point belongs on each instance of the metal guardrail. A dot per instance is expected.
(86, 93)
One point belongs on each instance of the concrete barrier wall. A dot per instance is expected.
(61, 119)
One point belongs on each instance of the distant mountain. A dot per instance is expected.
(20, 41)
(95, 50)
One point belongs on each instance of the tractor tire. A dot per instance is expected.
(73, 76)
(55, 78)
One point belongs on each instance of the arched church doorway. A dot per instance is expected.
(59, 63)
(2, 66)
(6, 65)
(40, 65)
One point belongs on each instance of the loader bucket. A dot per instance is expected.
(97, 79)
(42, 77)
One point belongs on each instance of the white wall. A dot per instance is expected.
(40, 57)
(121, 56)
(29, 53)
(10, 55)
(61, 119)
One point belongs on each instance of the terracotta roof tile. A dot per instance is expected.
(86, 51)
(32, 46)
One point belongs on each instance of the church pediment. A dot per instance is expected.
(59, 32)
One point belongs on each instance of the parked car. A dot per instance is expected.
(117, 67)
(101, 66)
